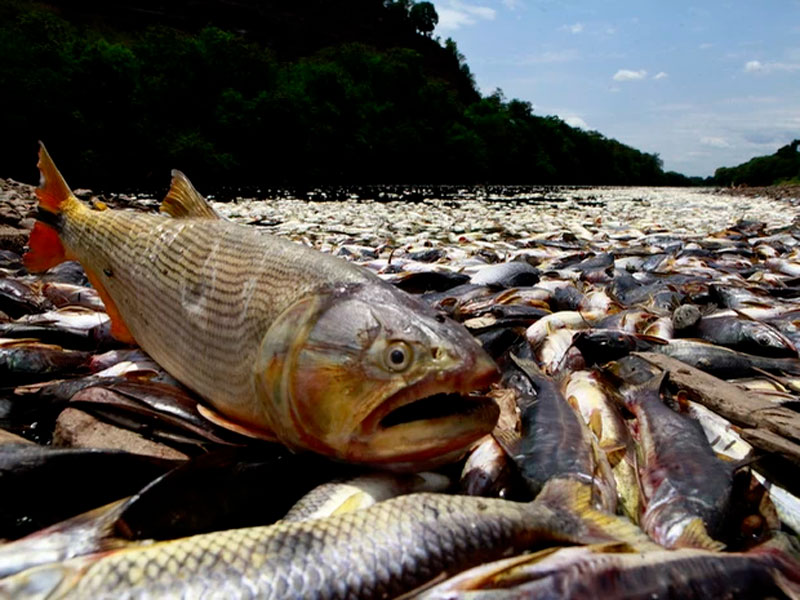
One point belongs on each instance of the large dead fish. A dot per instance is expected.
(387, 549)
(282, 341)
(686, 489)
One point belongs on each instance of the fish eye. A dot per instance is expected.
(397, 356)
(763, 339)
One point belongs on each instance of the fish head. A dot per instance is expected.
(367, 373)
(767, 340)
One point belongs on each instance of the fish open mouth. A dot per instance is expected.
(423, 427)
(437, 406)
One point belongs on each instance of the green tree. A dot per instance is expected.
(424, 17)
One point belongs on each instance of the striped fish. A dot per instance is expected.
(282, 341)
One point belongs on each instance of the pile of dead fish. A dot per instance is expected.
(648, 443)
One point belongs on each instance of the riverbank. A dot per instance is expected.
(789, 193)
(479, 214)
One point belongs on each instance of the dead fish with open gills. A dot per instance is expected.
(686, 489)
(284, 342)
(390, 548)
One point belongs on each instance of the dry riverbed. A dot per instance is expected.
(471, 213)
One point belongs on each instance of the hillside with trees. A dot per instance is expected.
(783, 167)
(273, 92)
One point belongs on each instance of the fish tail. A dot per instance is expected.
(53, 192)
(575, 497)
(46, 248)
(695, 535)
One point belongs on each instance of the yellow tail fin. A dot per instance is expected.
(575, 497)
(695, 535)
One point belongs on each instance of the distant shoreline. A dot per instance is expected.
(777, 192)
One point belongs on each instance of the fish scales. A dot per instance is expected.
(158, 283)
(381, 551)
(283, 341)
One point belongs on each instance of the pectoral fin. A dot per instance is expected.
(258, 433)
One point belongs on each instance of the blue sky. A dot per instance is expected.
(703, 84)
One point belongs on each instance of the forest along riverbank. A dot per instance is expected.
(601, 300)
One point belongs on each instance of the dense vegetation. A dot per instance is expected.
(775, 169)
(367, 95)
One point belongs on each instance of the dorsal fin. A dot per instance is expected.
(183, 201)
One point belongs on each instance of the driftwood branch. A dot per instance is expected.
(767, 426)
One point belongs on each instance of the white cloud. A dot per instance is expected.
(455, 14)
(660, 75)
(629, 75)
(705, 46)
(714, 142)
(752, 66)
(574, 28)
(575, 121)
(512, 4)
(756, 66)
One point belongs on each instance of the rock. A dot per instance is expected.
(13, 239)
(77, 429)
(17, 207)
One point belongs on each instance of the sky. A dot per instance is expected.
(702, 84)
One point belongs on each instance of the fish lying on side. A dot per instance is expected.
(611, 572)
(284, 342)
(387, 549)
(358, 493)
(554, 443)
(593, 398)
(724, 362)
(745, 335)
(686, 489)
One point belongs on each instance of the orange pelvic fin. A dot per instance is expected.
(119, 331)
(184, 201)
(53, 191)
